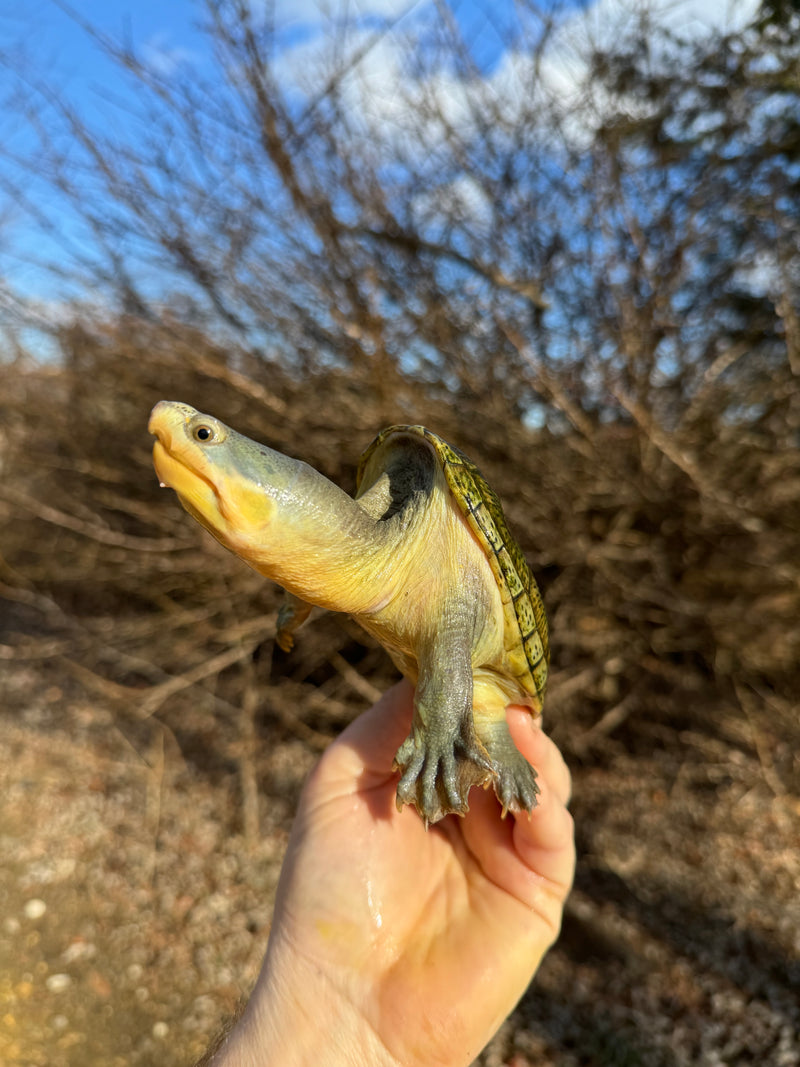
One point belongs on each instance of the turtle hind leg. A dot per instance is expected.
(438, 771)
(515, 779)
(443, 757)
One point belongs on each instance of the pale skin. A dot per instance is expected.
(396, 945)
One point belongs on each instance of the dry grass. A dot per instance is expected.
(156, 739)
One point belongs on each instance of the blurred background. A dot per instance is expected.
(567, 239)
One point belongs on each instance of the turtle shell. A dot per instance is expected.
(526, 635)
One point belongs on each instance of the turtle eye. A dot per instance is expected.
(203, 434)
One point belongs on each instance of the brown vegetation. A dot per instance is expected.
(674, 646)
(630, 394)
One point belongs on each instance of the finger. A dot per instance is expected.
(539, 750)
(545, 845)
(370, 742)
(545, 839)
(529, 856)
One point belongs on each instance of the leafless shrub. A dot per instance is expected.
(576, 303)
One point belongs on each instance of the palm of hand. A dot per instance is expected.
(432, 936)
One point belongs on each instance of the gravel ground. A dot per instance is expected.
(135, 917)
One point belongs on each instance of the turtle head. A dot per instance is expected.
(230, 484)
(278, 514)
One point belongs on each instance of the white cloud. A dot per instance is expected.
(562, 73)
(393, 104)
(322, 12)
(462, 198)
(608, 21)
(603, 21)
(159, 56)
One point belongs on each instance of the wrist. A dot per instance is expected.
(296, 1017)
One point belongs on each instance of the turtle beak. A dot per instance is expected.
(168, 421)
(176, 460)
(209, 483)
(165, 420)
(160, 426)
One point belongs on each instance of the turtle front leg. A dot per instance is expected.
(442, 757)
(292, 613)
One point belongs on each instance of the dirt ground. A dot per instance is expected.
(135, 916)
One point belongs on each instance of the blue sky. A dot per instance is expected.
(166, 34)
(45, 41)
(57, 44)
(169, 30)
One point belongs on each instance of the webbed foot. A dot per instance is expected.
(515, 783)
(439, 771)
(516, 786)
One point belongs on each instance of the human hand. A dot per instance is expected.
(393, 945)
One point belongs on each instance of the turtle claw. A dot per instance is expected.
(437, 774)
(515, 783)
(516, 786)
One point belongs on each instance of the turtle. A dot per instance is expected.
(422, 558)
